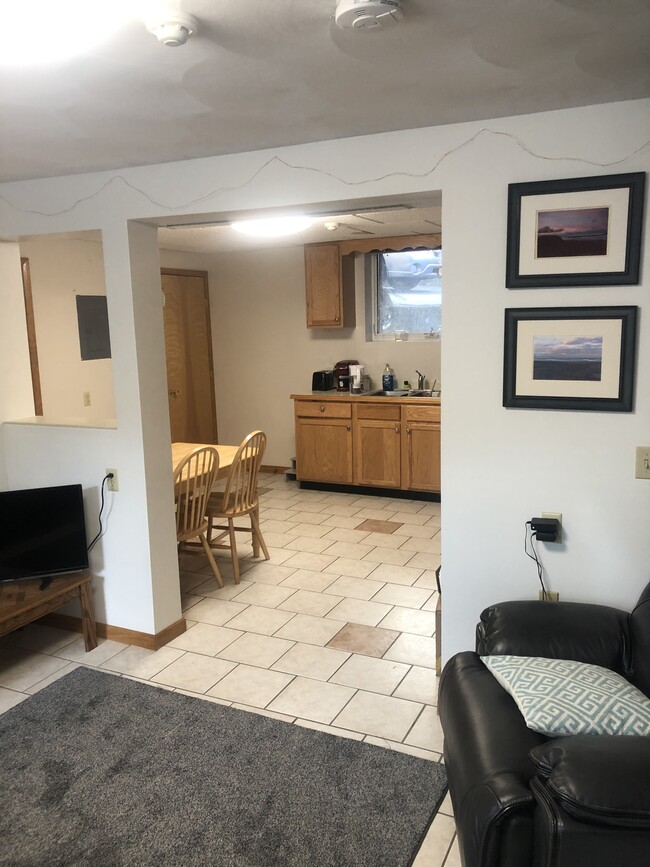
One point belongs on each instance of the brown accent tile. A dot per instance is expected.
(373, 526)
(367, 640)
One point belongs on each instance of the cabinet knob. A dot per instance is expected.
(347, 427)
(396, 428)
(336, 318)
(322, 409)
(408, 430)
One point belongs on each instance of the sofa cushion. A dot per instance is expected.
(562, 697)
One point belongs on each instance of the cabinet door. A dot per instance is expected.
(323, 282)
(377, 453)
(324, 450)
(421, 456)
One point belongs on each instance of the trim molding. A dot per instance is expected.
(270, 469)
(118, 633)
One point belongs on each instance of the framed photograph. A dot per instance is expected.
(575, 232)
(570, 358)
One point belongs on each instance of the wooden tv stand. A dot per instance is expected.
(21, 602)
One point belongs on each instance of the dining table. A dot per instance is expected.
(226, 455)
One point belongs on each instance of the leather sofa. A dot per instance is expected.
(521, 799)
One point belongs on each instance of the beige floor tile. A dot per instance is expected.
(310, 630)
(307, 602)
(427, 579)
(415, 531)
(21, 669)
(453, 858)
(398, 574)
(283, 717)
(271, 525)
(330, 730)
(343, 534)
(374, 675)
(305, 516)
(359, 611)
(446, 806)
(142, 663)
(274, 514)
(76, 651)
(389, 556)
(414, 650)
(407, 749)
(40, 638)
(249, 685)
(379, 715)
(216, 611)
(266, 573)
(258, 650)
(431, 603)
(307, 579)
(367, 640)
(315, 562)
(343, 511)
(437, 842)
(229, 591)
(194, 672)
(202, 696)
(309, 660)
(378, 514)
(422, 546)
(277, 556)
(354, 568)
(355, 588)
(420, 684)
(263, 621)
(314, 506)
(349, 550)
(314, 530)
(416, 518)
(190, 562)
(405, 505)
(384, 540)
(268, 595)
(344, 521)
(403, 595)
(312, 699)
(424, 561)
(188, 600)
(411, 621)
(308, 544)
(278, 540)
(61, 672)
(190, 580)
(427, 731)
(10, 698)
(204, 638)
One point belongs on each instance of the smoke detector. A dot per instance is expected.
(172, 28)
(367, 14)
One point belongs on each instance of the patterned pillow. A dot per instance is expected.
(562, 697)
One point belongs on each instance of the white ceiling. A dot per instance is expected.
(267, 73)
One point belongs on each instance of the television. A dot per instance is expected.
(42, 532)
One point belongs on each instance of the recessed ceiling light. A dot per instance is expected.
(38, 32)
(273, 227)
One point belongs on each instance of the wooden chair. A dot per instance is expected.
(193, 481)
(239, 499)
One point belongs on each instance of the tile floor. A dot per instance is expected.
(334, 632)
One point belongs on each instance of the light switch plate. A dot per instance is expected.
(642, 463)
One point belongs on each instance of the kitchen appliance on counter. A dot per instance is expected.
(342, 374)
(359, 381)
(323, 380)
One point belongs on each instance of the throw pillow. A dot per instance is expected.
(561, 697)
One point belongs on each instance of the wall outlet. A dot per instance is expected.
(86, 398)
(548, 596)
(642, 463)
(558, 518)
(114, 483)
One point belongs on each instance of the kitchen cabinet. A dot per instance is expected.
(377, 445)
(329, 286)
(421, 448)
(323, 442)
(391, 443)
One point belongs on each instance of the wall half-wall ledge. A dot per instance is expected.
(53, 421)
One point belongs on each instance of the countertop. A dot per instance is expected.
(346, 397)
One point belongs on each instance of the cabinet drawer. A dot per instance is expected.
(422, 413)
(316, 409)
(383, 413)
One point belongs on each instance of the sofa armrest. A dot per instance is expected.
(600, 779)
(595, 634)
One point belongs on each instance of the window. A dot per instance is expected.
(407, 293)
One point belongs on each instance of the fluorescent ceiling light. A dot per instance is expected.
(39, 32)
(273, 227)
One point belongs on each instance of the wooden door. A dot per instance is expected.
(377, 451)
(422, 456)
(324, 450)
(31, 336)
(188, 349)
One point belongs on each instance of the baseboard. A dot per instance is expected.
(270, 469)
(118, 633)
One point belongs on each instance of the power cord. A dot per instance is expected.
(534, 556)
(101, 509)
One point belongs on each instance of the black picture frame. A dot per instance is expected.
(551, 356)
(606, 253)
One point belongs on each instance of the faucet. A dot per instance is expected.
(420, 380)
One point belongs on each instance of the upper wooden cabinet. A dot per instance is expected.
(329, 284)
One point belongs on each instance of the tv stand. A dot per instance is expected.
(21, 602)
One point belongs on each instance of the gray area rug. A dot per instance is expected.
(101, 770)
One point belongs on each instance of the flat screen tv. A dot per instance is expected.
(42, 532)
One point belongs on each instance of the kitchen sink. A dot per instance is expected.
(402, 393)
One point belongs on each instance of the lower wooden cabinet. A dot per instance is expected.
(374, 444)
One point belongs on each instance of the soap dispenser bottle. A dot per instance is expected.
(387, 378)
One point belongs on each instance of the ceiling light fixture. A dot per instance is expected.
(272, 227)
(367, 14)
(172, 27)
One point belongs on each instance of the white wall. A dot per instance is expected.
(263, 351)
(499, 466)
(62, 268)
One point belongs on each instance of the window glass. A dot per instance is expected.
(408, 293)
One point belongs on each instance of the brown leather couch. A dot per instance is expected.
(521, 799)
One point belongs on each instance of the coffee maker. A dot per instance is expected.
(357, 378)
(342, 374)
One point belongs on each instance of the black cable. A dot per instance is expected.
(534, 556)
(101, 509)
